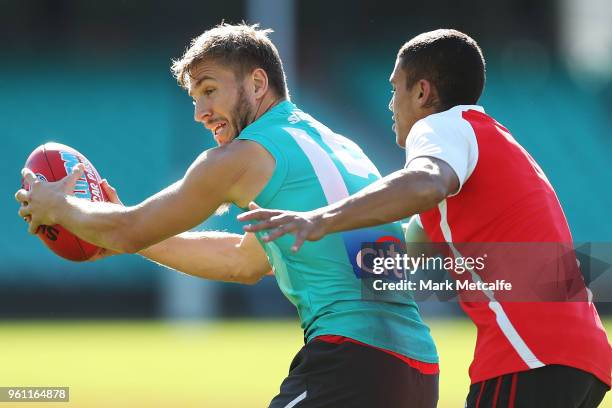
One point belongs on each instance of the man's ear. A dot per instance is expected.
(426, 94)
(260, 82)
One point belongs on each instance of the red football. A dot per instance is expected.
(52, 162)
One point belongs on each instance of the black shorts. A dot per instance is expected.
(553, 386)
(349, 375)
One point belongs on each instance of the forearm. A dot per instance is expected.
(129, 229)
(397, 196)
(103, 224)
(211, 255)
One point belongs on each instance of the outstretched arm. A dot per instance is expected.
(212, 180)
(211, 255)
(419, 187)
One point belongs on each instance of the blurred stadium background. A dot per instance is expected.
(95, 75)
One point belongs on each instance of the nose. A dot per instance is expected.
(201, 113)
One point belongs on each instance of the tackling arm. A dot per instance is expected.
(419, 187)
(422, 185)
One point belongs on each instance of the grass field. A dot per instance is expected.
(147, 364)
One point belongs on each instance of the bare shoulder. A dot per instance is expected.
(243, 166)
(242, 150)
(248, 150)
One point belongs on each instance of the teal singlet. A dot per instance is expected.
(316, 167)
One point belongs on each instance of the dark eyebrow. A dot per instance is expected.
(199, 81)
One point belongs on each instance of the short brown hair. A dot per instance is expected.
(242, 47)
(451, 60)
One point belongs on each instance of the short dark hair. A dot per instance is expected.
(242, 47)
(451, 60)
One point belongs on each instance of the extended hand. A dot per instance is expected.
(40, 201)
(307, 226)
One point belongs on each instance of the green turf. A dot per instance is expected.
(221, 365)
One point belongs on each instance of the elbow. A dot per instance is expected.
(246, 275)
(250, 279)
(431, 194)
(247, 268)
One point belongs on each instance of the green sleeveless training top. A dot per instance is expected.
(315, 167)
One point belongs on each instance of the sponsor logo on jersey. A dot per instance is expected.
(363, 246)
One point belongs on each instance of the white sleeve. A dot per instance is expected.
(456, 146)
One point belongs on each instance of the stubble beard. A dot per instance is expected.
(241, 113)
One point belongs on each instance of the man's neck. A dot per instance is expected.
(267, 102)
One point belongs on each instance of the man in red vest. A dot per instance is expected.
(467, 180)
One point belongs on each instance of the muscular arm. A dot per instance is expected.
(232, 173)
(419, 187)
(212, 255)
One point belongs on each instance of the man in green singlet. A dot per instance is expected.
(358, 352)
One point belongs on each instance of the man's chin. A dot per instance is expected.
(400, 141)
(224, 139)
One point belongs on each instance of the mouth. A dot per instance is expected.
(218, 130)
